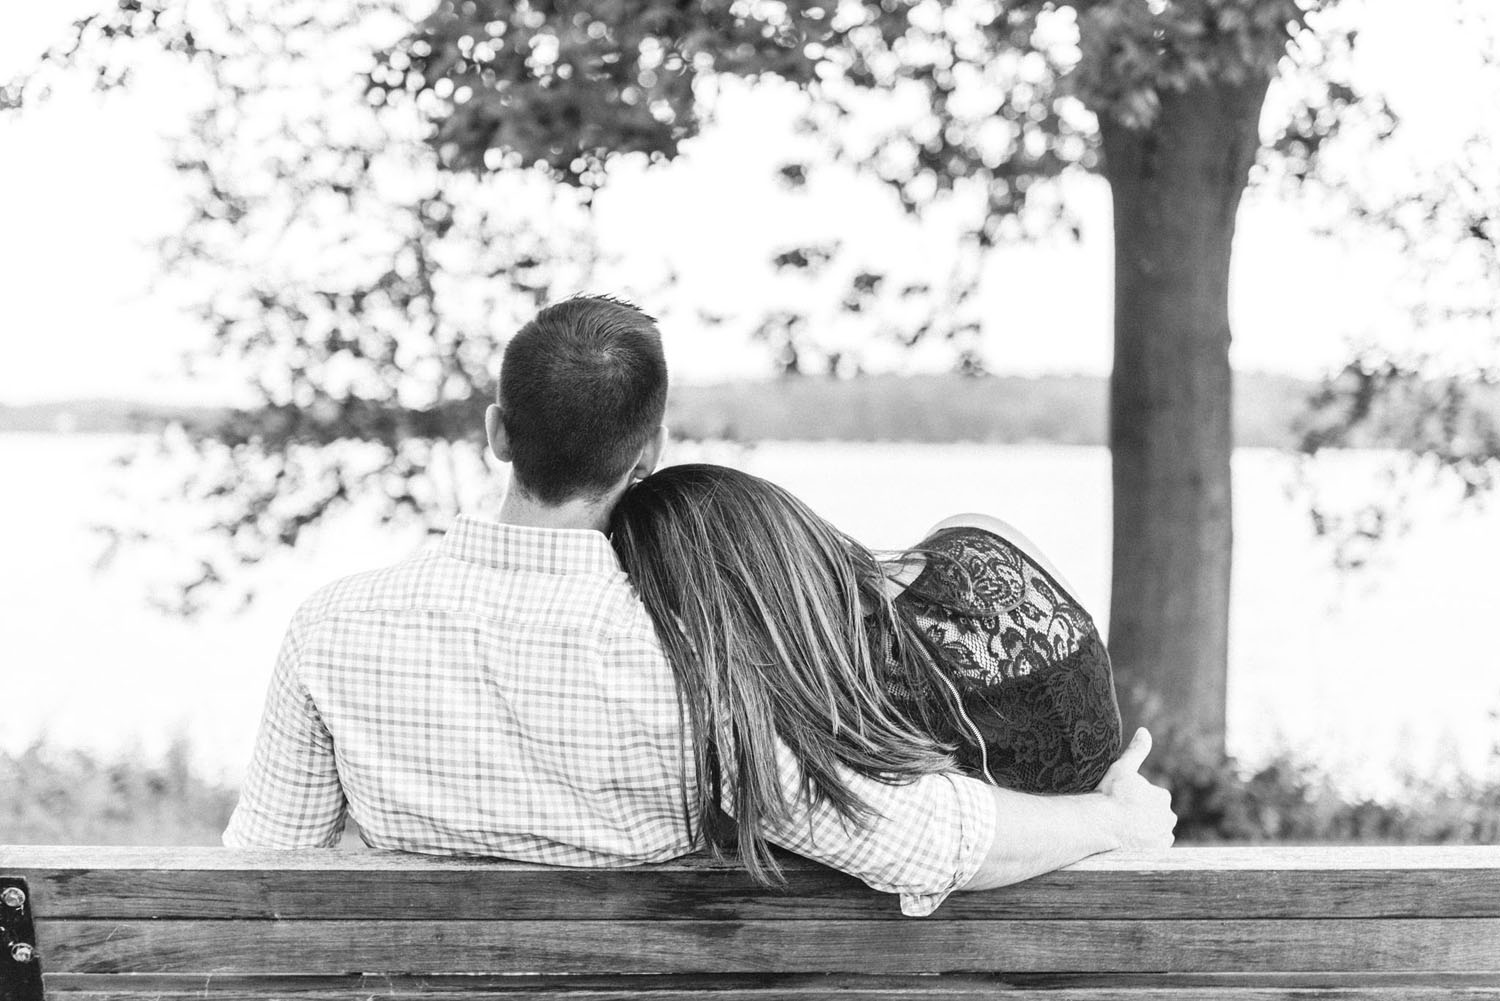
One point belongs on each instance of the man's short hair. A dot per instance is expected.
(583, 387)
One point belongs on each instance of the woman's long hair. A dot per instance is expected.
(777, 626)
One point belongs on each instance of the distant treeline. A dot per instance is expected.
(1067, 410)
(102, 416)
(1063, 410)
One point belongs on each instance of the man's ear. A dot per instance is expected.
(494, 430)
(650, 455)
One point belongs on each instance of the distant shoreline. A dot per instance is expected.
(1054, 410)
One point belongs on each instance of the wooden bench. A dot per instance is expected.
(1247, 923)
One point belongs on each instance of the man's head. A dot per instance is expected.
(583, 388)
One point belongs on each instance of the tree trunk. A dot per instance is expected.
(1176, 187)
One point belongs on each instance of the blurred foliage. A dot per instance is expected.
(1440, 430)
(976, 106)
(1433, 397)
(1220, 799)
(1006, 88)
(970, 104)
(49, 795)
(381, 190)
(57, 796)
(362, 289)
(566, 86)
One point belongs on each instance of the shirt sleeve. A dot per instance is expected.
(292, 797)
(924, 839)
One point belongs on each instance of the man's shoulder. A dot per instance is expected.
(368, 589)
(604, 604)
(632, 625)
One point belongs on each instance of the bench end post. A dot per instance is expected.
(20, 962)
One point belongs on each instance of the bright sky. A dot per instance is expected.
(85, 188)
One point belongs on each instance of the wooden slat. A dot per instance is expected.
(616, 895)
(1250, 857)
(871, 947)
(1259, 882)
(962, 987)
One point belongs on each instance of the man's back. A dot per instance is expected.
(500, 695)
(507, 696)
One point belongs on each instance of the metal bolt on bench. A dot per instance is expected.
(20, 973)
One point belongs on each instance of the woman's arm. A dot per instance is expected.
(1009, 533)
(1036, 834)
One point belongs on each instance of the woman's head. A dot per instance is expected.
(761, 606)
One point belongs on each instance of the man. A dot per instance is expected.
(505, 694)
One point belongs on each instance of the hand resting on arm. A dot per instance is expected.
(1037, 834)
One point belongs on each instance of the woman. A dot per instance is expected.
(967, 651)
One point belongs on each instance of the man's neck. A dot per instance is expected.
(519, 508)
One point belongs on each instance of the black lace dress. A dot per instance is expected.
(1026, 660)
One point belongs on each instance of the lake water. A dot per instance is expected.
(1367, 675)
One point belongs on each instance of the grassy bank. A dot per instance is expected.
(1220, 800)
(53, 795)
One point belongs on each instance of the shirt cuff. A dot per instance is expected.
(977, 819)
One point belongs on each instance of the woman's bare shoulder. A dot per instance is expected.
(1006, 531)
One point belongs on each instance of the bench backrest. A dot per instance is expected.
(1257, 922)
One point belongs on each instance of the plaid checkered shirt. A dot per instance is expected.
(504, 695)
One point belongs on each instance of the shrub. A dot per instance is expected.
(53, 795)
(1219, 799)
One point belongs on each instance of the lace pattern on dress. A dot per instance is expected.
(1030, 668)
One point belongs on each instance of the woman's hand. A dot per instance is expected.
(1142, 812)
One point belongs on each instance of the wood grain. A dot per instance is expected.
(869, 947)
(826, 987)
(1245, 857)
(1246, 923)
(1180, 884)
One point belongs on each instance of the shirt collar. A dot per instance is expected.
(539, 550)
